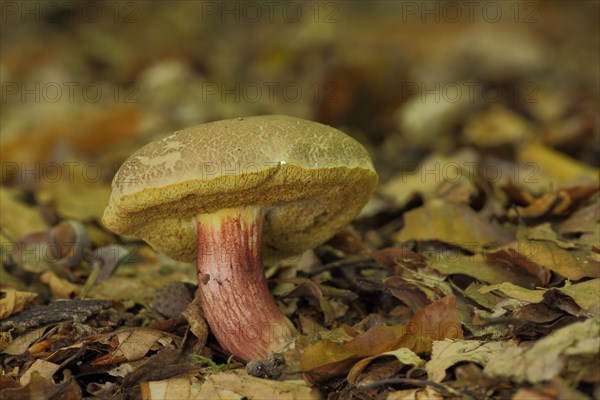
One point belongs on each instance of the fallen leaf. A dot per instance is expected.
(583, 220)
(585, 294)
(447, 353)
(59, 287)
(439, 320)
(45, 369)
(193, 315)
(453, 224)
(538, 257)
(516, 292)
(41, 388)
(20, 344)
(238, 385)
(497, 126)
(560, 168)
(13, 301)
(545, 359)
(436, 176)
(415, 394)
(181, 388)
(476, 267)
(78, 195)
(404, 355)
(133, 344)
(17, 220)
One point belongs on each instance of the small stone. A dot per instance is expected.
(275, 365)
(256, 368)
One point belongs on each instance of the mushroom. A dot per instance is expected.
(222, 192)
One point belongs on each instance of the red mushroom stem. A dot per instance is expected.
(232, 287)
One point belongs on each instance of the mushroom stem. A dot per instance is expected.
(232, 287)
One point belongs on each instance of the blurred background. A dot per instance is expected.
(92, 81)
(508, 87)
(481, 118)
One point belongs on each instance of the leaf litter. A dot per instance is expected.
(473, 273)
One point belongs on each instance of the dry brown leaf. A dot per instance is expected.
(92, 132)
(59, 287)
(80, 194)
(391, 256)
(497, 126)
(476, 267)
(556, 203)
(13, 301)
(436, 176)
(447, 353)
(17, 220)
(561, 169)
(133, 344)
(193, 315)
(181, 388)
(539, 257)
(585, 294)
(41, 388)
(546, 358)
(238, 385)
(404, 355)
(44, 368)
(583, 220)
(453, 224)
(426, 393)
(20, 344)
(439, 320)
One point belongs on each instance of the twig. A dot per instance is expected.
(409, 381)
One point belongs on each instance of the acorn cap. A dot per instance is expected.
(309, 178)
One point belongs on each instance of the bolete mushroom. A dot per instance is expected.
(221, 193)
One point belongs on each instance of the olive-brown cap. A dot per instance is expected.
(309, 178)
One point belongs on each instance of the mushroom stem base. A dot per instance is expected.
(232, 287)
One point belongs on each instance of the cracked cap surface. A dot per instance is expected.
(312, 180)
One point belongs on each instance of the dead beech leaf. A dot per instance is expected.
(182, 388)
(454, 224)
(17, 220)
(20, 344)
(13, 301)
(447, 353)
(426, 393)
(79, 195)
(44, 368)
(560, 168)
(476, 267)
(238, 385)
(89, 131)
(497, 126)
(548, 357)
(404, 355)
(585, 294)
(41, 388)
(581, 221)
(556, 203)
(193, 315)
(516, 292)
(539, 257)
(436, 176)
(133, 344)
(391, 256)
(439, 320)
(59, 287)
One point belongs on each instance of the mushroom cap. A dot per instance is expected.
(310, 180)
